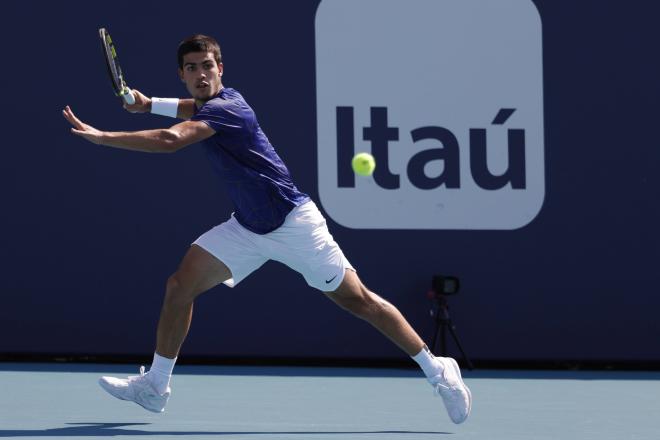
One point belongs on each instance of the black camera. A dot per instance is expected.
(444, 285)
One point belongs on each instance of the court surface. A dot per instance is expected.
(268, 403)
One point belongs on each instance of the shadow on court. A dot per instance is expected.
(112, 430)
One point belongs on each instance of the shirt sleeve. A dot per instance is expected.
(220, 115)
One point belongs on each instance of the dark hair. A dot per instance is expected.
(198, 43)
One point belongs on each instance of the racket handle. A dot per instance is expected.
(128, 96)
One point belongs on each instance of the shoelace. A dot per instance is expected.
(134, 378)
(442, 379)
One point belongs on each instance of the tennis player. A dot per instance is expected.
(272, 220)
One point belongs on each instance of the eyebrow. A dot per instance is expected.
(194, 64)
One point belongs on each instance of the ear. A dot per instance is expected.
(221, 69)
(180, 73)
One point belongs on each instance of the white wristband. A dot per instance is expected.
(164, 106)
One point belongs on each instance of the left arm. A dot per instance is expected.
(167, 140)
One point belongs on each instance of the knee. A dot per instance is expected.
(176, 292)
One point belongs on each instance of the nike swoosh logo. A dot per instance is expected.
(330, 280)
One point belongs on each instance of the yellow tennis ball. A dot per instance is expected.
(363, 164)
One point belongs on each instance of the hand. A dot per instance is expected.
(142, 103)
(81, 129)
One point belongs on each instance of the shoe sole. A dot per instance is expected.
(106, 387)
(457, 370)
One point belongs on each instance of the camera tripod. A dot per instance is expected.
(443, 323)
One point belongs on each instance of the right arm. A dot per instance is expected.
(185, 110)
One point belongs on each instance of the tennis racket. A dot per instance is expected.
(117, 78)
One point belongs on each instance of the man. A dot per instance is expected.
(272, 220)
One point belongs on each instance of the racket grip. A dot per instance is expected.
(128, 96)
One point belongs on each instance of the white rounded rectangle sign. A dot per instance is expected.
(447, 95)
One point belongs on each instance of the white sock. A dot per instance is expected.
(160, 372)
(427, 363)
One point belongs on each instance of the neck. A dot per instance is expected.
(201, 102)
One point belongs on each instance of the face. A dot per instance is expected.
(202, 75)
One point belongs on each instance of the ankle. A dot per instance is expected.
(160, 382)
(160, 373)
(428, 363)
(163, 365)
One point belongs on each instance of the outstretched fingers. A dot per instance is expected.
(73, 120)
(80, 128)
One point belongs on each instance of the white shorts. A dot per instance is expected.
(303, 243)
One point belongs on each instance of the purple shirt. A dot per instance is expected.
(258, 182)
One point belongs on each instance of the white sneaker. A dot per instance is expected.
(455, 394)
(137, 389)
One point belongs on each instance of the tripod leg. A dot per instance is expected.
(439, 331)
(443, 341)
(452, 330)
(435, 335)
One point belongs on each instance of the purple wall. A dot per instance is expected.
(90, 234)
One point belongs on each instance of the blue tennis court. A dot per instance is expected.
(489, 169)
(64, 400)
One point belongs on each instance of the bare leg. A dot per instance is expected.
(199, 271)
(353, 296)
